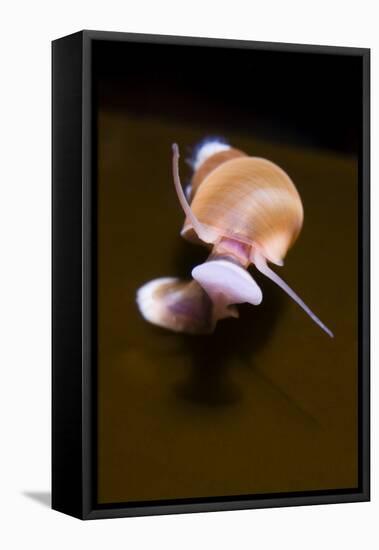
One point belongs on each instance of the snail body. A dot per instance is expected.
(245, 210)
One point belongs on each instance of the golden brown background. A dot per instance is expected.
(268, 403)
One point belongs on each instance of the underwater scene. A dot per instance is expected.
(227, 264)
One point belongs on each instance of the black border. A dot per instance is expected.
(76, 494)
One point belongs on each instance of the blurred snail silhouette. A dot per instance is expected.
(246, 211)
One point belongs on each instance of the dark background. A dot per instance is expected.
(308, 99)
(268, 403)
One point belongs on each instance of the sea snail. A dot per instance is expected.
(245, 210)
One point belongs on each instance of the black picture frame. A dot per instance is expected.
(74, 288)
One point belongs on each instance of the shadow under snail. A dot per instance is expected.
(245, 210)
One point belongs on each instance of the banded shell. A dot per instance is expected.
(250, 200)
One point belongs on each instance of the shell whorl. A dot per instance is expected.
(251, 199)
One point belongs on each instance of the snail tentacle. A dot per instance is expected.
(205, 232)
(261, 264)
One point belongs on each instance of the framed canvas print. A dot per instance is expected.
(210, 274)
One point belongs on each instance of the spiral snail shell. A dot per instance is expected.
(246, 210)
